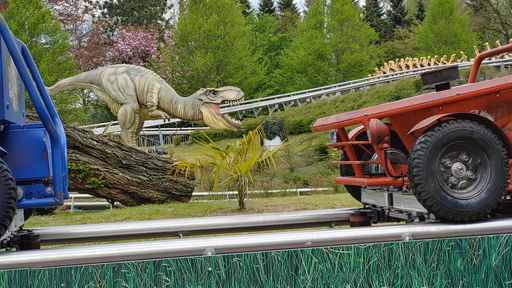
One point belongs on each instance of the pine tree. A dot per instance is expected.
(246, 7)
(287, 6)
(350, 39)
(212, 48)
(445, 30)
(373, 15)
(148, 13)
(307, 62)
(267, 7)
(289, 16)
(397, 17)
(420, 11)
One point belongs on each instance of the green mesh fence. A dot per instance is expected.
(461, 262)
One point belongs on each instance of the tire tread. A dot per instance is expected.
(8, 197)
(417, 178)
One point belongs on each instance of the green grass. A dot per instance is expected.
(460, 262)
(196, 209)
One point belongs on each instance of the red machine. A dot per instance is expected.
(445, 154)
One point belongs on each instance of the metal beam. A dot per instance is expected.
(245, 243)
(190, 226)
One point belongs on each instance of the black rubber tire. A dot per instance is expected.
(8, 197)
(348, 170)
(475, 201)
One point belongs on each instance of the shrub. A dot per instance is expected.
(274, 126)
(216, 135)
(321, 150)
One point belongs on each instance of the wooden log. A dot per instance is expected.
(109, 169)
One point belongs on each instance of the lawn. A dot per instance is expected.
(196, 209)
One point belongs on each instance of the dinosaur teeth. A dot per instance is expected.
(232, 120)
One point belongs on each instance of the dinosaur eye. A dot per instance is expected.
(214, 93)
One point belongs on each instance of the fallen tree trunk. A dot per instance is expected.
(109, 169)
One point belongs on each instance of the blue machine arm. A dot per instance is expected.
(39, 96)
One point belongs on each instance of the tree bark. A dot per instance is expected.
(242, 187)
(109, 169)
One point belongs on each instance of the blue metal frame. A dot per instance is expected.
(48, 115)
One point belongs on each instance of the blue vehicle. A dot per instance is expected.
(33, 156)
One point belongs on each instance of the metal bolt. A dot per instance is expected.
(448, 164)
(49, 190)
(464, 157)
(454, 181)
(471, 175)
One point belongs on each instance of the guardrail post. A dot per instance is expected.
(73, 203)
(160, 136)
(502, 68)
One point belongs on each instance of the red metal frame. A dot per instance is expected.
(488, 102)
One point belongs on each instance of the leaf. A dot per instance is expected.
(231, 162)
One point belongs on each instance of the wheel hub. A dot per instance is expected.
(463, 170)
(458, 170)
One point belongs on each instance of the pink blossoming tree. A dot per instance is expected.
(135, 45)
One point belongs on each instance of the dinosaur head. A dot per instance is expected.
(212, 98)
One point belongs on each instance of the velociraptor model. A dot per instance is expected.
(136, 94)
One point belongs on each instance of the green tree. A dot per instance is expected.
(149, 13)
(212, 48)
(445, 30)
(266, 7)
(246, 6)
(402, 45)
(349, 39)
(491, 18)
(396, 17)
(269, 40)
(287, 6)
(332, 44)
(374, 16)
(288, 15)
(420, 11)
(231, 163)
(307, 62)
(33, 23)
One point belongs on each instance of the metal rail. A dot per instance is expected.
(245, 243)
(287, 100)
(190, 226)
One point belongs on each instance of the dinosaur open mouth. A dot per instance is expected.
(216, 107)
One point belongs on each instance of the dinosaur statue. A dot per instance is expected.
(135, 94)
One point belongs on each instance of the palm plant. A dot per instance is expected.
(232, 163)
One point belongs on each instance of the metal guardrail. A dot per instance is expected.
(190, 226)
(246, 243)
(298, 191)
(284, 101)
(74, 205)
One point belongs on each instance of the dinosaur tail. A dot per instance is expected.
(85, 80)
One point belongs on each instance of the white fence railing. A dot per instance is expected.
(74, 202)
